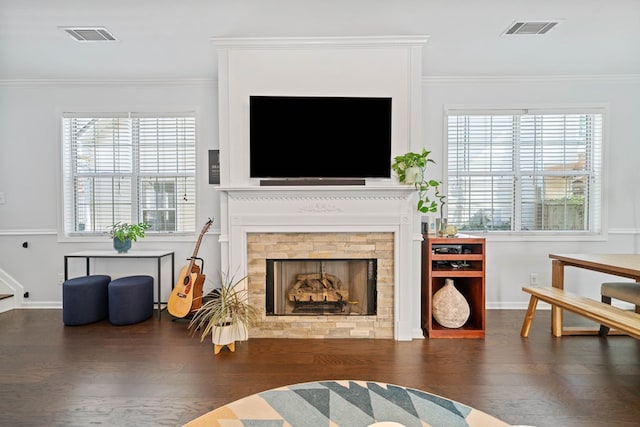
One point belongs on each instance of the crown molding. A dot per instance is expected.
(108, 82)
(596, 78)
(320, 42)
(427, 80)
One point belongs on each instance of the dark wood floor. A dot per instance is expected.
(155, 373)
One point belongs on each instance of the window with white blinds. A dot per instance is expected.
(524, 171)
(129, 168)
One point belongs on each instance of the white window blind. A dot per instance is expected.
(129, 168)
(525, 171)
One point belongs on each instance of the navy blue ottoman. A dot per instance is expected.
(85, 299)
(130, 299)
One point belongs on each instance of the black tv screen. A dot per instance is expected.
(320, 137)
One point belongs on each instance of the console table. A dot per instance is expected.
(158, 255)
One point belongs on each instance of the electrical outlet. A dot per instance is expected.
(60, 279)
(533, 278)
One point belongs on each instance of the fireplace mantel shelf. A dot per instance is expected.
(380, 190)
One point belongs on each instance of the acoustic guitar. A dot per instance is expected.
(186, 296)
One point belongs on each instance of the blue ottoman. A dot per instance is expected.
(85, 299)
(130, 299)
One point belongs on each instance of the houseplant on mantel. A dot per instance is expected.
(226, 314)
(410, 168)
(123, 234)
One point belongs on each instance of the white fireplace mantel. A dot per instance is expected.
(316, 208)
(332, 210)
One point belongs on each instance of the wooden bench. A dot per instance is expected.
(623, 291)
(613, 317)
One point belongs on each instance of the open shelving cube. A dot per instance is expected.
(462, 259)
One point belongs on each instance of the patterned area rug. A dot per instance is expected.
(345, 404)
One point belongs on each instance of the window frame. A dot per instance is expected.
(137, 207)
(537, 235)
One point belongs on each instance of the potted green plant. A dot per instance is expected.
(410, 168)
(123, 234)
(225, 314)
(408, 165)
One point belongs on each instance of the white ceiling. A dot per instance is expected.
(171, 39)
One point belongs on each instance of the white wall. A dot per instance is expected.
(510, 260)
(29, 165)
(30, 179)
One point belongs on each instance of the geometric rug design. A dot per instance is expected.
(345, 403)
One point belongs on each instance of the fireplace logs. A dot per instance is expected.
(321, 286)
(318, 292)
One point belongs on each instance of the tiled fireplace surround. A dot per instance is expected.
(261, 246)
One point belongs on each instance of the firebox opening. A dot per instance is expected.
(321, 287)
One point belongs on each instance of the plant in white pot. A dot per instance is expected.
(410, 168)
(226, 314)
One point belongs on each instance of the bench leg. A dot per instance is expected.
(604, 330)
(528, 317)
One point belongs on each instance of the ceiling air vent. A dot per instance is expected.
(529, 28)
(89, 34)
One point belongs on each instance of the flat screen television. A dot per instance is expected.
(319, 137)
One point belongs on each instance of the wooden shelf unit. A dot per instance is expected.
(469, 280)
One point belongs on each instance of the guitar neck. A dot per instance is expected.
(197, 247)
